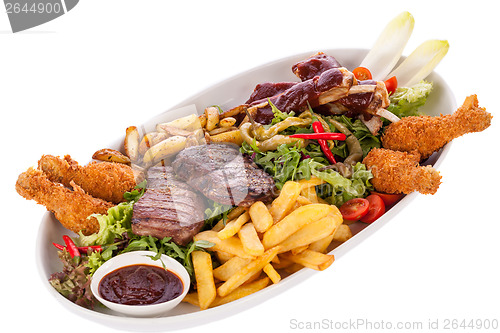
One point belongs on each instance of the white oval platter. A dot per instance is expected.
(229, 93)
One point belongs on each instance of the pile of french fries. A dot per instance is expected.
(264, 243)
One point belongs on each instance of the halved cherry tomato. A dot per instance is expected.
(391, 84)
(362, 73)
(389, 199)
(354, 209)
(375, 210)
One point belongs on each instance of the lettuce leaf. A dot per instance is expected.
(407, 100)
(111, 226)
(339, 189)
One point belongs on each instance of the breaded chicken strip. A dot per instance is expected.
(399, 172)
(106, 180)
(71, 207)
(427, 134)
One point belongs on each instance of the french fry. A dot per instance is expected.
(311, 232)
(164, 149)
(234, 213)
(232, 227)
(131, 143)
(230, 136)
(240, 292)
(250, 240)
(271, 272)
(218, 226)
(285, 201)
(311, 259)
(283, 263)
(224, 256)
(247, 272)
(230, 267)
(260, 216)
(294, 221)
(312, 182)
(212, 114)
(342, 233)
(310, 194)
(322, 244)
(299, 249)
(202, 263)
(230, 245)
(303, 200)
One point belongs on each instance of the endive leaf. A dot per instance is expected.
(389, 46)
(420, 62)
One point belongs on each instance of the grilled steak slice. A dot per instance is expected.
(223, 174)
(168, 208)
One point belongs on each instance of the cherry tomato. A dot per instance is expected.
(362, 73)
(389, 199)
(354, 209)
(375, 210)
(391, 85)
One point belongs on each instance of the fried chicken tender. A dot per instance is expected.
(71, 207)
(106, 180)
(400, 172)
(427, 134)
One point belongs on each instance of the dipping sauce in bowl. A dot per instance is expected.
(140, 285)
(135, 284)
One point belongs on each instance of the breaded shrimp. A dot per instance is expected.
(427, 134)
(399, 172)
(106, 180)
(71, 207)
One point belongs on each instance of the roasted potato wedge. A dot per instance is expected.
(164, 149)
(151, 139)
(131, 143)
(231, 136)
(188, 123)
(111, 155)
(212, 114)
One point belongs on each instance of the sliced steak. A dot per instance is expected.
(224, 175)
(168, 208)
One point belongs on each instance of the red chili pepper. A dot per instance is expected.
(72, 249)
(316, 136)
(81, 249)
(59, 246)
(318, 128)
(85, 249)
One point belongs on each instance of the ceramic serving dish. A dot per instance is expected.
(229, 93)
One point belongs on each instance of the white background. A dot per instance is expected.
(74, 84)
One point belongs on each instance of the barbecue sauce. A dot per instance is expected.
(140, 285)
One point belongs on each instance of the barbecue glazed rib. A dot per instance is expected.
(224, 175)
(107, 180)
(168, 208)
(73, 208)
